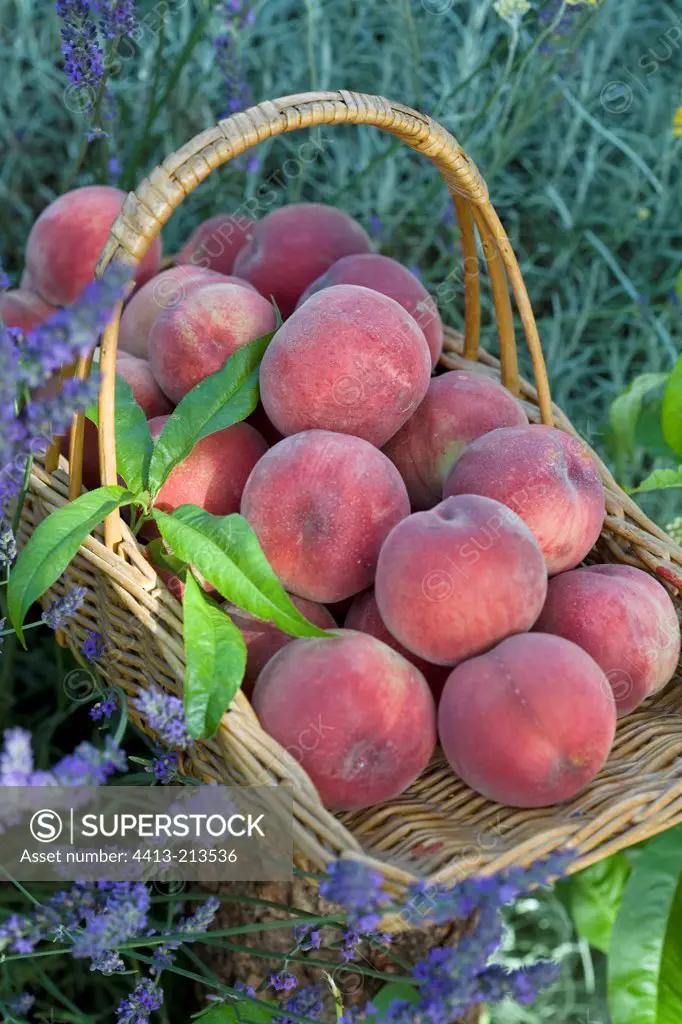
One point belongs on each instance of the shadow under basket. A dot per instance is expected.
(439, 829)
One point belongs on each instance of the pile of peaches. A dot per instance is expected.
(420, 508)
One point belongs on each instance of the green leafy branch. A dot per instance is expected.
(222, 551)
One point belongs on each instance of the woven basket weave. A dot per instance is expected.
(438, 830)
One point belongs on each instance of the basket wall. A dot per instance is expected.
(439, 829)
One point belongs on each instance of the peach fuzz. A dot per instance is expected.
(291, 247)
(67, 239)
(382, 274)
(459, 407)
(214, 473)
(263, 639)
(624, 619)
(547, 477)
(453, 581)
(165, 291)
(215, 243)
(349, 360)
(21, 308)
(321, 505)
(528, 724)
(363, 616)
(194, 339)
(358, 717)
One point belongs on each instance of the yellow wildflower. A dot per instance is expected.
(677, 123)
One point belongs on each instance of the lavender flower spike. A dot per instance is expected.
(359, 890)
(165, 714)
(64, 608)
(143, 1000)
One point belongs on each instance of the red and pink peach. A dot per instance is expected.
(528, 724)
(624, 619)
(67, 239)
(358, 717)
(459, 407)
(321, 505)
(454, 581)
(547, 477)
(349, 360)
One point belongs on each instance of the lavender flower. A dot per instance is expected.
(349, 949)
(283, 982)
(21, 1004)
(248, 990)
(306, 1003)
(86, 766)
(237, 15)
(93, 645)
(452, 980)
(83, 56)
(95, 133)
(116, 17)
(104, 708)
(16, 759)
(375, 224)
(307, 937)
(89, 766)
(73, 332)
(564, 26)
(123, 916)
(199, 921)
(107, 963)
(27, 362)
(143, 1000)
(8, 546)
(64, 608)
(165, 715)
(114, 170)
(164, 767)
(359, 890)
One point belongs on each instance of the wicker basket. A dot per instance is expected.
(439, 829)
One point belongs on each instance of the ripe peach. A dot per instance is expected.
(546, 476)
(453, 581)
(67, 239)
(165, 291)
(196, 338)
(215, 243)
(459, 407)
(382, 274)
(358, 717)
(624, 619)
(349, 360)
(529, 723)
(321, 505)
(147, 393)
(264, 639)
(363, 616)
(214, 473)
(21, 308)
(289, 249)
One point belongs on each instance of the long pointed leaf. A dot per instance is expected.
(671, 410)
(638, 937)
(215, 658)
(133, 440)
(52, 546)
(225, 550)
(224, 398)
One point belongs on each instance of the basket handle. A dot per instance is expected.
(146, 210)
